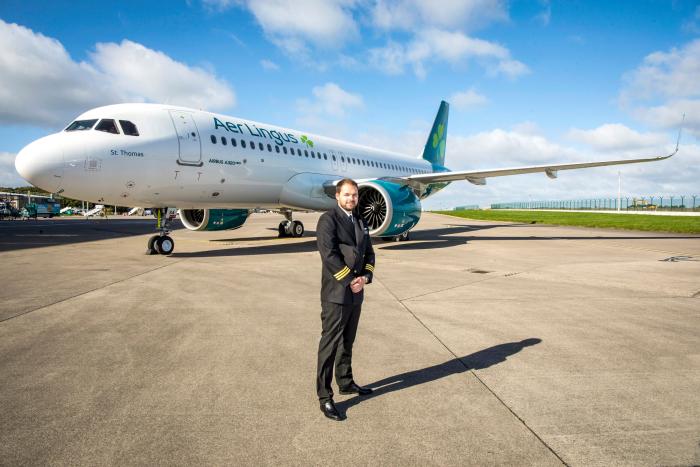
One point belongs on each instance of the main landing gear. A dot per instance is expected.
(162, 244)
(398, 238)
(289, 227)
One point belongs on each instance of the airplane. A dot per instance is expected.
(216, 169)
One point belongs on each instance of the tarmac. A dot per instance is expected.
(486, 343)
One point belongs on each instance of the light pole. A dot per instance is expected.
(619, 189)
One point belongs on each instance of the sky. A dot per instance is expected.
(528, 81)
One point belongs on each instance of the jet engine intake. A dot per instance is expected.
(213, 219)
(389, 209)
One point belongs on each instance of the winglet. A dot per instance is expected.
(680, 129)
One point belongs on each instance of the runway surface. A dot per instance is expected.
(487, 343)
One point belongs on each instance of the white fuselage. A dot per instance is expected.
(189, 159)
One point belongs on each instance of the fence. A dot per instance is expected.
(627, 203)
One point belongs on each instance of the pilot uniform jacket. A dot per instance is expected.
(346, 252)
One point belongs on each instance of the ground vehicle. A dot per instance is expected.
(8, 211)
(46, 208)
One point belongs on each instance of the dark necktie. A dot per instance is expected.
(352, 222)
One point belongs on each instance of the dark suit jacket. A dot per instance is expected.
(346, 252)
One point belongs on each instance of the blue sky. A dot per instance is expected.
(529, 82)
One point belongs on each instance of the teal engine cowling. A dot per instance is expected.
(389, 209)
(213, 219)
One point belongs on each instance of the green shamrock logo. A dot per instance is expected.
(307, 141)
(438, 136)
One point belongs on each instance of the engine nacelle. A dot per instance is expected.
(213, 219)
(389, 209)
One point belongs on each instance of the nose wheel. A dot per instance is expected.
(290, 229)
(162, 244)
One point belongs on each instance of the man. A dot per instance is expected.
(348, 263)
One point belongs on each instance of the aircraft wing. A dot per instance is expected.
(478, 177)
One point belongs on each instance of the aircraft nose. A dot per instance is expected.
(41, 163)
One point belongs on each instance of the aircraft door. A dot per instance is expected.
(343, 161)
(189, 144)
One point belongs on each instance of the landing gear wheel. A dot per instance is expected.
(165, 245)
(397, 238)
(151, 250)
(282, 229)
(297, 229)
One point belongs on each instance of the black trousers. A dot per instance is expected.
(339, 326)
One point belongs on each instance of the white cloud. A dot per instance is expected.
(617, 137)
(269, 65)
(409, 14)
(290, 25)
(324, 113)
(141, 73)
(39, 74)
(665, 86)
(454, 47)
(8, 175)
(330, 100)
(468, 99)
(305, 26)
(527, 128)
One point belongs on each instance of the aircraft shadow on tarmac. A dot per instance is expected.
(476, 361)
(284, 246)
(37, 233)
(446, 237)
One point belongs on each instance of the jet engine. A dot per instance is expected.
(213, 219)
(389, 209)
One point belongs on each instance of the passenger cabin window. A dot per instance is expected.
(243, 143)
(129, 128)
(108, 126)
(284, 149)
(81, 125)
(223, 141)
(213, 139)
(233, 142)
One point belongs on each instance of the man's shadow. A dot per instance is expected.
(475, 361)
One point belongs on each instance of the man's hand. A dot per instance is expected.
(357, 284)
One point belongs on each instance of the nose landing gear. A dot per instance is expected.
(290, 228)
(162, 244)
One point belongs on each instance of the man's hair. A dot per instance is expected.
(345, 181)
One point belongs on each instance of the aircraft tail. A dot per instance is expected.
(434, 151)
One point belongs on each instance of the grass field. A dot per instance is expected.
(678, 224)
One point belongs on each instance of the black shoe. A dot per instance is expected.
(355, 389)
(329, 410)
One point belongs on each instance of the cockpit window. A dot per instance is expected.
(129, 128)
(107, 125)
(80, 125)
